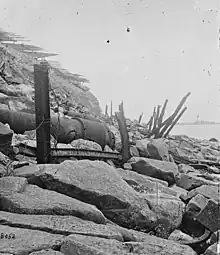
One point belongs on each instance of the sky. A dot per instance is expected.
(171, 48)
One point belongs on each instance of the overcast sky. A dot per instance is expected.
(171, 48)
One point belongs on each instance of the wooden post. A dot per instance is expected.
(42, 112)
(124, 133)
(106, 111)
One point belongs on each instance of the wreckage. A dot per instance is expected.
(63, 129)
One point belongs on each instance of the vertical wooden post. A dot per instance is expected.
(42, 112)
(124, 133)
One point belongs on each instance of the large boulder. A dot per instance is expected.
(192, 180)
(46, 252)
(30, 199)
(143, 183)
(197, 203)
(169, 210)
(162, 200)
(127, 174)
(79, 244)
(99, 184)
(210, 192)
(157, 149)
(141, 145)
(65, 225)
(155, 168)
(24, 241)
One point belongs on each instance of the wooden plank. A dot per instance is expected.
(42, 112)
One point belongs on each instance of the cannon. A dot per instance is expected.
(63, 129)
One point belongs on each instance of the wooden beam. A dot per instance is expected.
(42, 112)
(124, 133)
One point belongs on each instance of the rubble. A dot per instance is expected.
(118, 197)
(162, 198)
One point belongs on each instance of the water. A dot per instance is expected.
(198, 131)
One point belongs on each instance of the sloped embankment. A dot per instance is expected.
(17, 83)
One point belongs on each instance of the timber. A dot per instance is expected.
(31, 151)
(124, 133)
(42, 112)
(157, 127)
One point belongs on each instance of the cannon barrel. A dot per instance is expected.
(63, 129)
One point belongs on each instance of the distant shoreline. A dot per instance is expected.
(198, 123)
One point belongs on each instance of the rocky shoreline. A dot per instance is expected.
(163, 200)
(91, 207)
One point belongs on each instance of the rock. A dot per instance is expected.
(157, 149)
(25, 241)
(115, 131)
(127, 166)
(182, 153)
(142, 179)
(171, 159)
(97, 183)
(3, 171)
(107, 149)
(134, 151)
(185, 169)
(141, 146)
(191, 226)
(169, 210)
(78, 244)
(22, 105)
(213, 238)
(4, 160)
(46, 252)
(179, 191)
(191, 181)
(18, 138)
(11, 185)
(213, 140)
(64, 225)
(18, 164)
(5, 137)
(86, 145)
(185, 142)
(196, 204)
(179, 236)
(64, 146)
(212, 250)
(210, 192)
(31, 134)
(155, 168)
(144, 183)
(209, 216)
(31, 170)
(214, 169)
(34, 200)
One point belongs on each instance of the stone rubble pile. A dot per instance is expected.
(149, 206)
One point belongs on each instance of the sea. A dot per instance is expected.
(203, 131)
